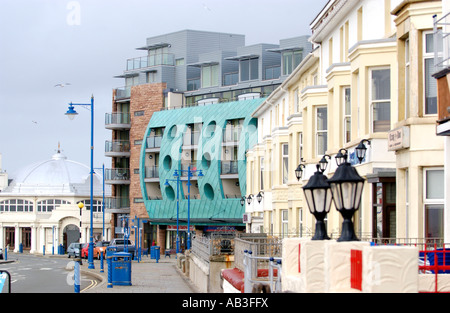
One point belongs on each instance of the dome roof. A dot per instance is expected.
(57, 176)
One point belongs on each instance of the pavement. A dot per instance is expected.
(147, 276)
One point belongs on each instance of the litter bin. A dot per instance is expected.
(121, 268)
(155, 253)
(61, 249)
(20, 248)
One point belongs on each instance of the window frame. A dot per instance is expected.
(425, 57)
(347, 116)
(321, 131)
(376, 101)
(284, 164)
(435, 202)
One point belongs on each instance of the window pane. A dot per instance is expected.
(254, 69)
(381, 116)
(245, 68)
(321, 118)
(434, 221)
(381, 84)
(435, 184)
(321, 143)
(430, 88)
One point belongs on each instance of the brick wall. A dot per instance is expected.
(147, 98)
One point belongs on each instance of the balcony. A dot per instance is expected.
(117, 148)
(117, 176)
(117, 121)
(117, 205)
(153, 143)
(150, 60)
(123, 93)
(151, 174)
(231, 135)
(191, 139)
(229, 167)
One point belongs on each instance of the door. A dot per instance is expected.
(384, 209)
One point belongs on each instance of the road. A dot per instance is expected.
(38, 274)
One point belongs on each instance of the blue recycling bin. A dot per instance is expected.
(155, 253)
(20, 248)
(121, 268)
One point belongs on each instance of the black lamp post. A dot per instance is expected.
(259, 196)
(318, 197)
(346, 187)
(361, 150)
(323, 162)
(249, 199)
(299, 171)
(242, 201)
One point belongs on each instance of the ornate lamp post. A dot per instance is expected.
(318, 198)
(346, 187)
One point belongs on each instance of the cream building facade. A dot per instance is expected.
(39, 208)
(352, 87)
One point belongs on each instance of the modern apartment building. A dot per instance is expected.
(369, 78)
(185, 79)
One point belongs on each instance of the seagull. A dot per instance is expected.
(34, 122)
(62, 85)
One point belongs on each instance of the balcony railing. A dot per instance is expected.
(229, 167)
(154, 142)
(123, 93)
(117, 146)
(117, 203)
(231, 134)
(191, 138)
(152, 172)
(117, 119)
(117, 174)
(150, 60)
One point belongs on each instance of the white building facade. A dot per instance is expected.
(39, 209)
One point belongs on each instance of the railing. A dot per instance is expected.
(117, 174)
(441, 41)
(231, 134)
(117, 146)
(191, 138)
(150, 60)
(217, 244)
(151, 172)
(117, 203)
(154, 142)
(117, 118)
(229, 167)
(123, 93)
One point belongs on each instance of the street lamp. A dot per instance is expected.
(318, 198)
(71, 113)
(178, 207)
(346, 187)
(361, 150)
(259, 196)
(299, 171)
(323, 162)
(190, 172)
(242, 201)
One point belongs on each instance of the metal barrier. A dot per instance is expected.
(253, 280)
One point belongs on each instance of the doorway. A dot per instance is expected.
(384, 208)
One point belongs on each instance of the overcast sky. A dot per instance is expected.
(86, 43)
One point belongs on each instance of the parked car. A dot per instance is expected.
(100, 248)
(73, 250)
(85, 250)
(119, 245)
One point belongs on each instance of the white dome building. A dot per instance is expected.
(39, 209)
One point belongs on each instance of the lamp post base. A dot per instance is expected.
(321, 231)
(348, 231)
